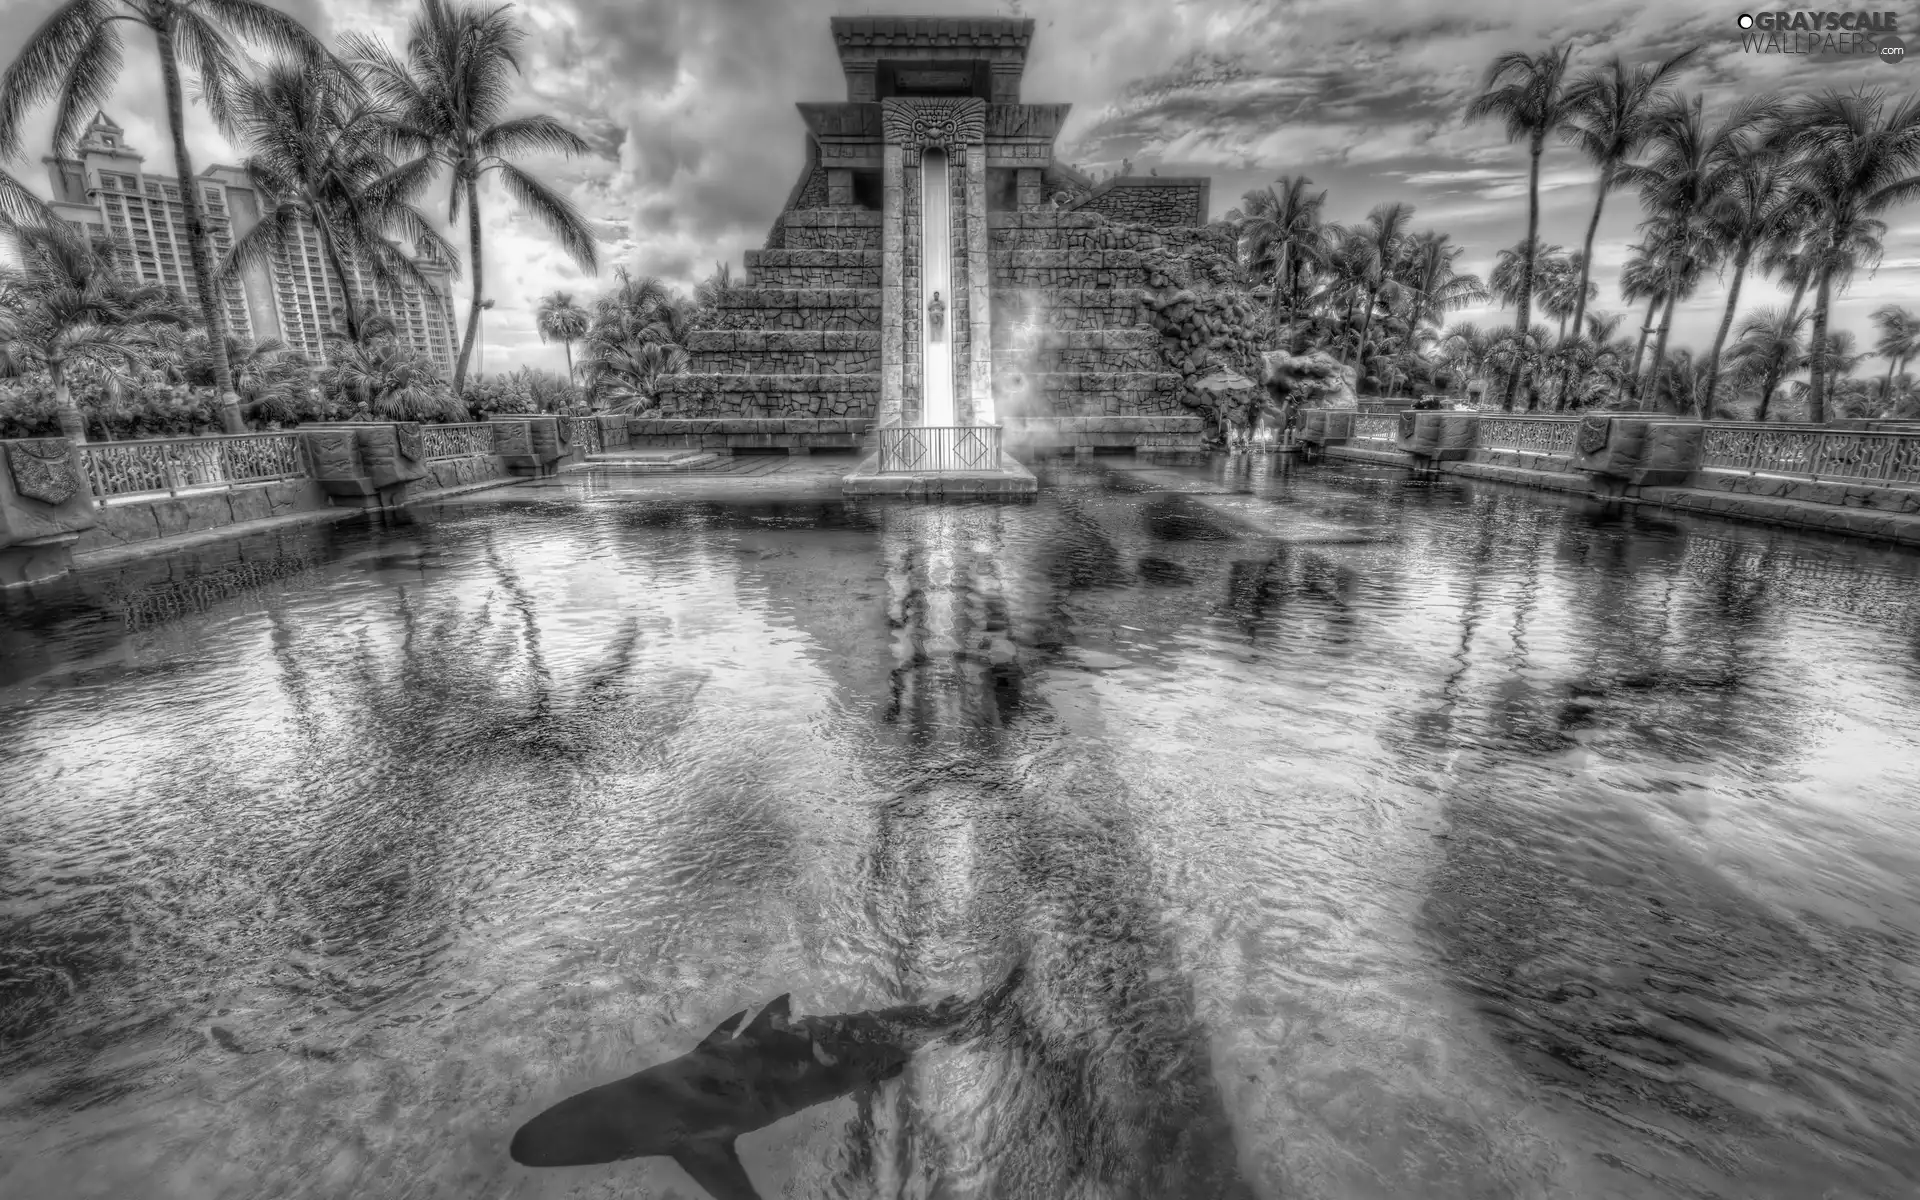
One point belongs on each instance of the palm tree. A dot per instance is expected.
(1610, 109)
(1856, 157)
(1898, 343)
(67, 306)
(1467, 349)
(451, 94)
(1280, 234)
(318, 161)
(75, 56)
(1642, 278)
(1427, 274)
(1380, 239)
(1527, 93)
(19, 206)
(1767, 348)
(560, 319)
(1682, 185)
(384, 377)
(1755, 206)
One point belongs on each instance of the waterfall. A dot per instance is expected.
(936, 275)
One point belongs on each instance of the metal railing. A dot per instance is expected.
(1869, 457)
(1374, 427)
(170, 466)
(588, 435)
(468, 439)
(1537, 435)
(940, 448)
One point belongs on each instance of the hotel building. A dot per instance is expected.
(103, 190)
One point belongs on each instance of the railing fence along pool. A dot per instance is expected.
(119, 471)
(940, 448)
(467, 439)
(588, 433)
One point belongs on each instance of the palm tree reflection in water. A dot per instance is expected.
(1005, 839)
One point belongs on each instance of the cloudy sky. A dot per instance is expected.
(689, 105)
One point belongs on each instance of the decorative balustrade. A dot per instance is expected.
(1368, 427)
(467, 439)
(588, 434)
(1867, 457)
(1537, 435)
(170, 466)
(940, 448)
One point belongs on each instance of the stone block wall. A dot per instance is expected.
(784, 352)
(830, 229)
(960, 303)
(768, 396)
(1159, 202)
(813, 268)
(1030, 268)
(1085, 309)
(798, 308)
(1081, 351)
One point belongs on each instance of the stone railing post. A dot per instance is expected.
(366, 466)
(1437, 437)
(46, 503)
(1621, 454)
(529, 445)
(613, 432)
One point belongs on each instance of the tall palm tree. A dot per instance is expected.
(68, 306)
(1898, 343)
(1527, 92)
(1857, 156)
(1681, 185)
(317, 158)
(1610, 107)
(1468, 349)
(451, 94)
(75, 57)
(1755, 206)
(560, 319)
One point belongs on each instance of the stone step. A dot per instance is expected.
(830, 229)
(814, 268)
(1088, 393)
(1066, 232)
(768, 396)
(1032, 268)
(1098, 357)
(783, 351)
(1067, 309)
(775, 309)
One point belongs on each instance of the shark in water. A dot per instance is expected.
(743, 1076)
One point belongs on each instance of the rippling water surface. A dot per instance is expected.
(1364, 838)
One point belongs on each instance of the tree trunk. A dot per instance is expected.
(1360, 351)
(1660, 347)
(1586, 250)
(569, 347)
(339, 269)
(1720, 338)
(473, 313)
(197, 254)
(1816, 394)
(73, 425)
(1525, 298)
(1886, 388)
(1630, 382)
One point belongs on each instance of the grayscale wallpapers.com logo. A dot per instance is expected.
(1823, 35)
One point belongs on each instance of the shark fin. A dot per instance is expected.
(716, 1167)
(721, 1031)
(774, 1017)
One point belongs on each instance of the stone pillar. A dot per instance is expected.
(892, 286)
(839, 187)
(979, 285)
(1028, 188)
(861, 80)
(46, 503)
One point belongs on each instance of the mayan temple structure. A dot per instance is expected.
(938, 289)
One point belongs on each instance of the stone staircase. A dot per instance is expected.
(792, 360)
(1075, 362)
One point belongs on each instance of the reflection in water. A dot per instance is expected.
(1532, 852)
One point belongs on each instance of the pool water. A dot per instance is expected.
(1363, 837)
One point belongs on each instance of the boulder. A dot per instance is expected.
(1313, 380)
